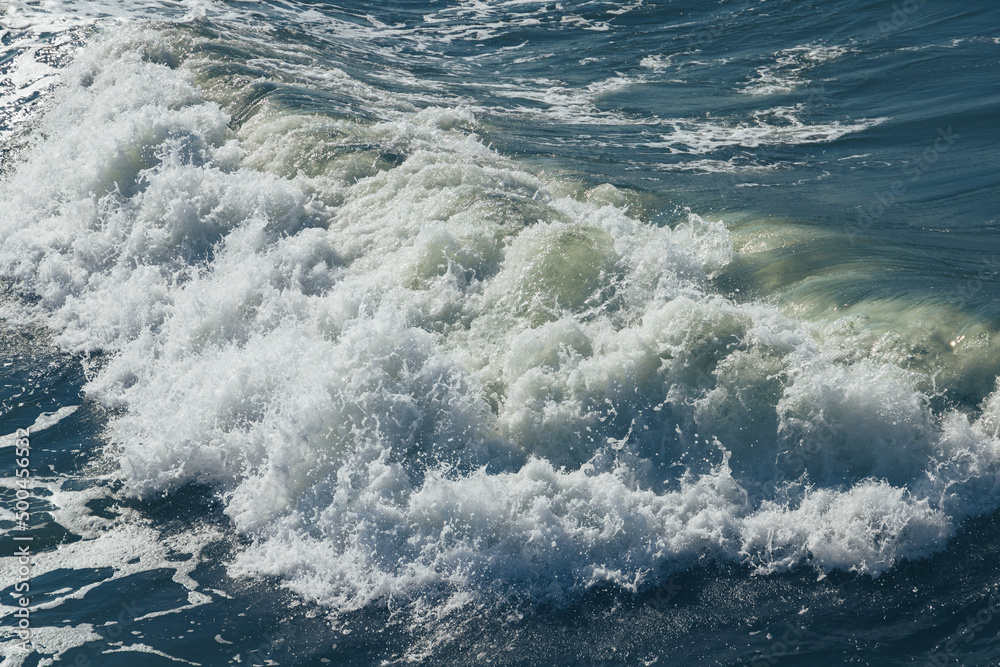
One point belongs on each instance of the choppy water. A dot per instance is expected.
(510, 333)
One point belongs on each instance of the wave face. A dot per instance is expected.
(425, 374)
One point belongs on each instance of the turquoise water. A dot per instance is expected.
(500, 333)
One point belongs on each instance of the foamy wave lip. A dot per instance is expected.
(525, 529)
(431, 379)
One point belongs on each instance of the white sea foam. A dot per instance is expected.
(434, 380)
(44, 421)
(568, 104)
(770, 127)
(733, 165)
(787, 72)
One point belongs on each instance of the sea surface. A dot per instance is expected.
(499, 332)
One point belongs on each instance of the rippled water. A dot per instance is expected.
(500, 332)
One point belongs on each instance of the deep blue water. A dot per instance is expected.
(512, 333)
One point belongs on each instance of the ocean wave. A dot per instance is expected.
(418, 374)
